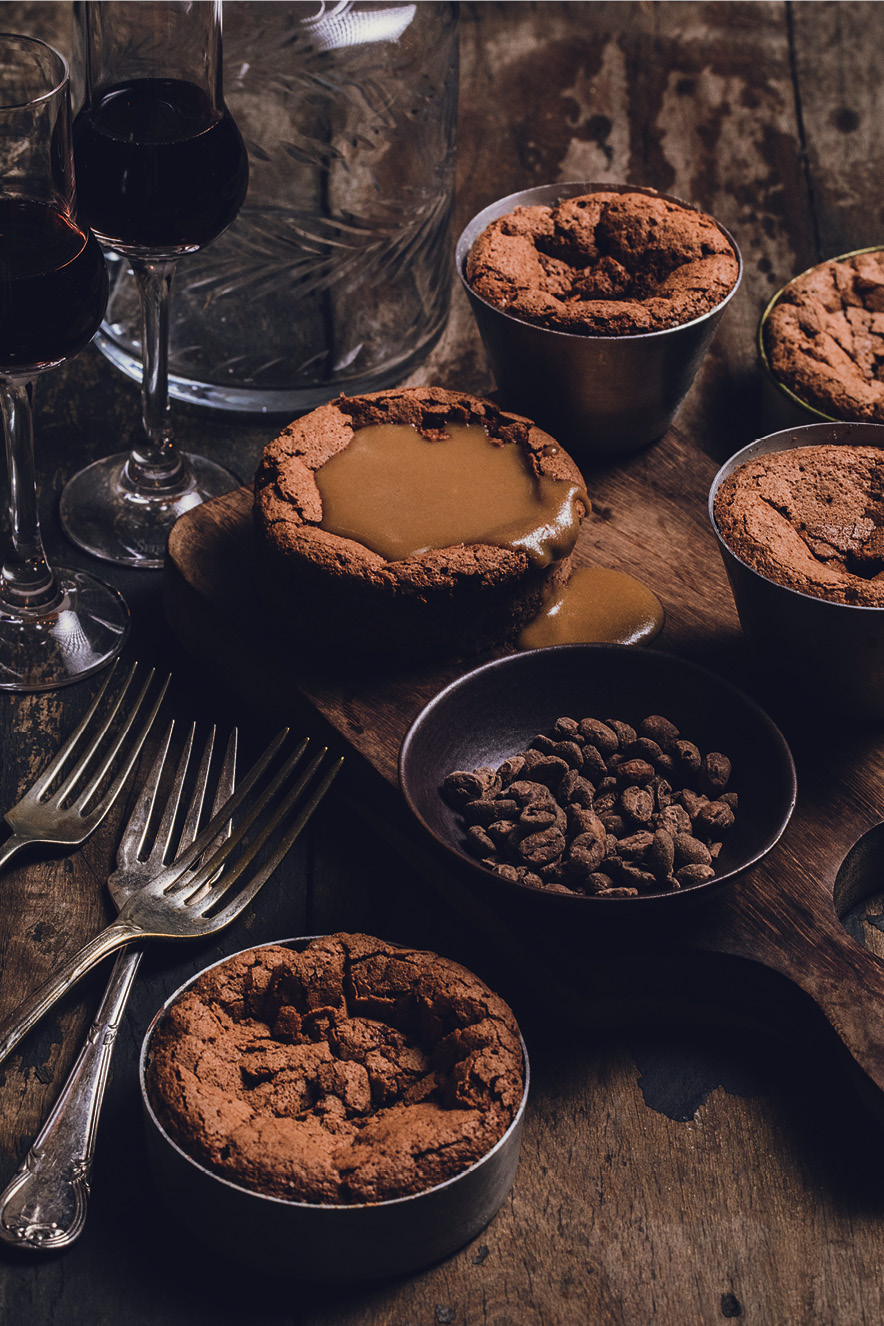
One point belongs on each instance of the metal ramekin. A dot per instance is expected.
(783, 408)
(833, 651)
(601, 396)
(313, 1241)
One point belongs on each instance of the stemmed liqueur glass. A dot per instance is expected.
(161, 171)
(55, 627)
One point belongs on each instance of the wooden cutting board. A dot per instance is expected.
(760, 950)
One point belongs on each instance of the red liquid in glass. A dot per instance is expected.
(53, 286)
(158, 168)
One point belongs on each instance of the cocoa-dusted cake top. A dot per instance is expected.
(608, 264)
(812, 519)
(824, 337)
(352, 1071)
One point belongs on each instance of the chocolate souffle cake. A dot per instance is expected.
(812, 519)
(418, 523)
(604, 264)
(824, 337)
(352, 1071)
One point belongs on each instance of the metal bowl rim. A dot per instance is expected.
(690, 891)
(462, 249)
(287, 1202)
(748, 453)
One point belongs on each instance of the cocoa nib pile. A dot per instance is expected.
(353, 1071)
(609, 264)
(825, 337)
(599, 807)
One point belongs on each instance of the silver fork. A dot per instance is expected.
(180, 902)
(73, 810)
(44, 1206)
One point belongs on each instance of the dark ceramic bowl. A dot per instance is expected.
(494, 711)
(318, 1241)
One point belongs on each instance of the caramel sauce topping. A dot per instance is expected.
(597, 606)
(399, 494)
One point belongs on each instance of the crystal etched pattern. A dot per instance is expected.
(336, 275)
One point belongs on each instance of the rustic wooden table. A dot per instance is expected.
(674, 1169)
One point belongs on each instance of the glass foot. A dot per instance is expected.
(44, 649)
(104, 514)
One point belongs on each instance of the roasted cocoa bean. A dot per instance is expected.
(574, 789)
(593, 765)
(478, 841)
(715, 771)
(694, 874)
(598, 734)
(689, 851)
(687, 758)
(537, 849)
(659, 729)
(464, 785)
(625, 733)
(714, 819)
(660, 856)
(570, 752)
(636, 773)
(638, 803)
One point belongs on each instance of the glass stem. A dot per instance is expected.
(27, 580)
(155, 463)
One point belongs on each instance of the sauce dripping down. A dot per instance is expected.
(597, 606)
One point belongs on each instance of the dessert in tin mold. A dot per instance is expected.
(352, 1071)
(824, 337)
(604, 264)
(810, 518)
(416, 522)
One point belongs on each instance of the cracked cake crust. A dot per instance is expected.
(604, 264)
(337, 593)
(811, 518)
(352, 1071)
(824, 338)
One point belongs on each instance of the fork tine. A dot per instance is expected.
(101, 732)
(66, 751)
(166, 827)
(135, 833)
(133, 753)
(226, 783)
(174, 873)
(219, 858)
(227, 776)
(244, 897)
(198, 796)
(254, 810)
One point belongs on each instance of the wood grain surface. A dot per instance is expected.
(682, 1162)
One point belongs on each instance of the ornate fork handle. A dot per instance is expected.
(115, 935)
(44, 1206)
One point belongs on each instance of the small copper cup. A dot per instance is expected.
(601, 396)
